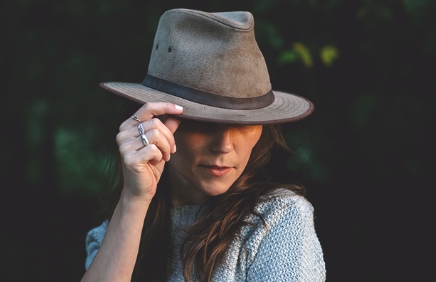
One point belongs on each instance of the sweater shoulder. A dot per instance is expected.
(283, 202)
(285, 243)
(275, 236)
(279, 214)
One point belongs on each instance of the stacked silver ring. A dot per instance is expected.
(141, 130)
(142, 134)
(136, 118)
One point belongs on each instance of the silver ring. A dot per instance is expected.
(140, 128)
(144, 139)
(136, 118)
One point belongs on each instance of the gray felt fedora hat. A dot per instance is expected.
(210, 64)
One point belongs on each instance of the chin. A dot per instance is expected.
(214, 190)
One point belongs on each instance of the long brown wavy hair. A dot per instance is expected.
(208, 239)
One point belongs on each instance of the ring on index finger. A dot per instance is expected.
(144, 139)
(135, 117)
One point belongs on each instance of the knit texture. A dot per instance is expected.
(287, 249)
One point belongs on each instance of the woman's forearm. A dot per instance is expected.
(142, 166)
(116, 257)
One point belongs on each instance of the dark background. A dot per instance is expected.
(364, 155)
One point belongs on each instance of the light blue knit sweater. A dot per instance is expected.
(287, 250)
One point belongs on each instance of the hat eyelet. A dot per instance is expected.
(169, 49)
(157, 46)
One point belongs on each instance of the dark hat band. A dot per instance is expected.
(206, 98)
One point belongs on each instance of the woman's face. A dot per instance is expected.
(209, 159)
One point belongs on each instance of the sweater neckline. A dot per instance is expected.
(184, 216)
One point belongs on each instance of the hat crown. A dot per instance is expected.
(212, 52)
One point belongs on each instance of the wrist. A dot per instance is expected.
(134, 203)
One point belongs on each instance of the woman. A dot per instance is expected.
(204, 210)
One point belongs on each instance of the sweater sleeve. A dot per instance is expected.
(93, 242)
(290, 250)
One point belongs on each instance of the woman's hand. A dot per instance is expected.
(142, 168)
(143, 165)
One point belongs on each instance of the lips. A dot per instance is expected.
(217, 171)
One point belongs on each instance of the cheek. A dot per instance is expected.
(187, 144)
(187, 150)
(253, 136)
(249, 140)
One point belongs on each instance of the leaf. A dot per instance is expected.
(296, 53)
(304, 54)
(289, 57)
(329, 55)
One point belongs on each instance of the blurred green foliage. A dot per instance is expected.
(328, 55)
(366, 64)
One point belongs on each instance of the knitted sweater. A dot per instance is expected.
(286, 250)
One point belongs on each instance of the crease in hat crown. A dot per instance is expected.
(239, 20)
(212, 52)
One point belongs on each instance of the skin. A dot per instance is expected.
(208, 159)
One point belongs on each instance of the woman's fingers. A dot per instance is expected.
(156, 132)
(159, 136)
(155, 123)
(166, 128)
(138, 160)
(154, 137)
(150, 110)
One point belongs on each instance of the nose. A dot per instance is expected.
(223, 141)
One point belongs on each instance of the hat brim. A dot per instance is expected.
(286, 107)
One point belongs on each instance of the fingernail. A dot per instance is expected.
(174, 150)
(179, 107)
